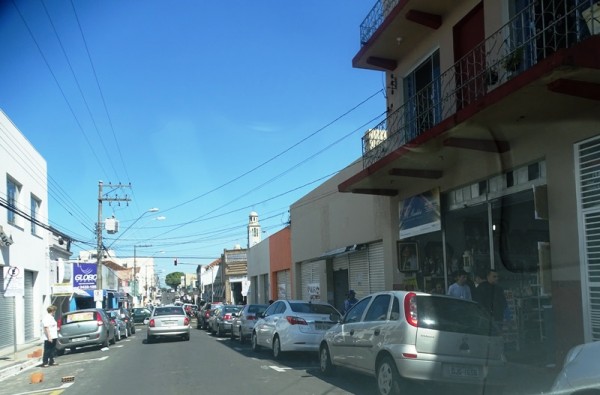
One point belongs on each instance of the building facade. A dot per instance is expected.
(25, 280)
(488, 159)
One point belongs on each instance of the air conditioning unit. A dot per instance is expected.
(111, 225)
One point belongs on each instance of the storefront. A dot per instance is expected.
(499, 223)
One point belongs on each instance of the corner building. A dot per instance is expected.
(489, 156)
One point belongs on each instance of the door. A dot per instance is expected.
(469, 55)
(340, 288)
(266, 327)
(369, 334)
(343, 348)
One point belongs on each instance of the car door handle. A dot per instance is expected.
(352, 332)
(377, 332)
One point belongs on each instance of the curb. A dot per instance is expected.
(18, 368)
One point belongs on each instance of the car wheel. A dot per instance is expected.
(255, 345)
(118, 335)
(219, 332)
(186, 337)
(126, 333)
(242, 338)
(388, 379)
(276, 348)
(132, 330)
(60, 352)
(107, 340)
(325, 361)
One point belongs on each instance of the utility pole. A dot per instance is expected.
(99, 254)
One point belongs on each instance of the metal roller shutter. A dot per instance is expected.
(376, 275)
(283, 285)
(28, 303)
(340, 262)
(309, 275)
(7, 312)
(359, 273)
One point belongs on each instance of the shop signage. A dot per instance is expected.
(420, 214)
(62, 289)
(14, 281)
(84, 275)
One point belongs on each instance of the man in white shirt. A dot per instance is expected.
(460, 289)
(50, 335)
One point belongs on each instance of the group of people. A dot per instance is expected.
(484, 290)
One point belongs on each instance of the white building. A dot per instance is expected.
(24, 246)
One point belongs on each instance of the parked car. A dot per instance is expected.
(244, 320)
(85, 327)
(293, 325)
(168, 321)
(580, 374)
(121, 329)
(139, 314)
(204, 314)
(222, 319)
(126, 316)
(400, 337)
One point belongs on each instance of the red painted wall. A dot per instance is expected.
(280, 253)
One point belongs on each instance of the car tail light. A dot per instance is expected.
(250, 317)
(186, 321)
(410, 309)
(295, 320)
(207, 314)
(99, 319)
(151, 323)
(59, 323)
(227, 317)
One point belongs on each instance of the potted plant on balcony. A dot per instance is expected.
(513, 61)
(591, 16)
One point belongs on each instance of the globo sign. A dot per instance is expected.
(86, 277)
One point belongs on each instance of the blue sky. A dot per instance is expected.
(210, 111)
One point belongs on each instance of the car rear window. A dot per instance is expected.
(81, 316)
(168, 311)
(312, 308)
(454, 315)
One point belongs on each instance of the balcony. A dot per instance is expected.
(536, 67)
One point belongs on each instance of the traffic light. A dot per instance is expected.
(175, 262)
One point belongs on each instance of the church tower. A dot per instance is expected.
(254, 232)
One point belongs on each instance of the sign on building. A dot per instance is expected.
(84, 275)
(14, 281)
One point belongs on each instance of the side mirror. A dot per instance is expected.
(335, 317)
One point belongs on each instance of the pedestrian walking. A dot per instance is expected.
(50, 330)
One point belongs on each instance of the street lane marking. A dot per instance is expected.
(55, 390)
(84, 360)
(279, 369)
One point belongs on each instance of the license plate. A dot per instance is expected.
(167, 323)
(78, 339)
(464, 371)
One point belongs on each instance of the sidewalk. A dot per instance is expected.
(27, 356)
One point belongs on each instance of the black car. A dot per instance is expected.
(126, 316)
(139, 314)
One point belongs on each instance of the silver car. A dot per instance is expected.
(580, 373)
(244, 321)
(86, 327)
(403, 337)
(293, 325)
(168, 321)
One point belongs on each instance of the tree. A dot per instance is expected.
(174, 279)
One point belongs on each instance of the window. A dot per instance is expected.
(356, 312)
(379, 308)
(35, 209)
(12, 191)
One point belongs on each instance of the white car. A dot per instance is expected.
(403, 337)
(580, 373)
(293, 325)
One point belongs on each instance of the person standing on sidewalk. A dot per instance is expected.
(50, 336)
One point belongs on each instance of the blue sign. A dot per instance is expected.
(84, 275)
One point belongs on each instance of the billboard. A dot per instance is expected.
(420, 214)
(84, 275)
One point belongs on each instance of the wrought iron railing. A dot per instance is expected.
(532, 35)
(375, 18)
